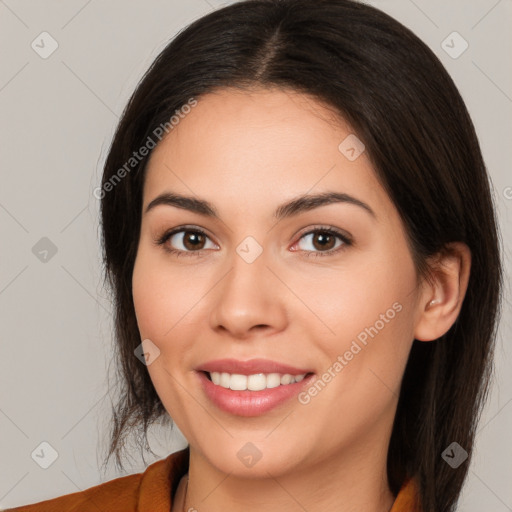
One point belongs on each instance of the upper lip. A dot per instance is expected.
(250, 367)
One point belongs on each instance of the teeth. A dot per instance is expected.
(255, 382)
(287, 378)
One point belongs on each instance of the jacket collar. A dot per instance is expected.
(160, 481)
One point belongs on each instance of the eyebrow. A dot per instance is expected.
(294, 207)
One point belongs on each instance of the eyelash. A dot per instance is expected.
(317, 229)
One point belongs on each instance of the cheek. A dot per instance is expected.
(164, 310)
(163, 295)
(366, 292)
(147, 297)
(371, 313)
(369, 310)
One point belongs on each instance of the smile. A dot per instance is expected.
(242, 401)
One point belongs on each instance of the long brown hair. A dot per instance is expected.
(404, 106)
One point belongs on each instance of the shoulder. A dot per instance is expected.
(125, 493)
(120, 491)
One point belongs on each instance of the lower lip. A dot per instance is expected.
(250, 403)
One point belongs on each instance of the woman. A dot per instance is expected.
(300, 237)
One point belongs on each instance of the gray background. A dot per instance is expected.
(58, 117)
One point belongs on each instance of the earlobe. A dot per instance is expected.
(442, 298)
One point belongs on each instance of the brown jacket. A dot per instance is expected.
(151, 491)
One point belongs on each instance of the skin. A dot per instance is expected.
(247, 153)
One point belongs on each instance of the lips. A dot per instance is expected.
(251, 403)
(250, 367)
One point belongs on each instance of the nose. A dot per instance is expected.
(249, 298)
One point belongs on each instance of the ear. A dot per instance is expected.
(443, 294)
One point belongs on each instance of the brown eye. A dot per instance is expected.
(186, 241)
(193, 240)
(322, 242)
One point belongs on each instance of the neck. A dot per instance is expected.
(357, 483)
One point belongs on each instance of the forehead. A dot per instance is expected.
(256, 147)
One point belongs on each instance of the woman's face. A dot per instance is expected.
(274, 287)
